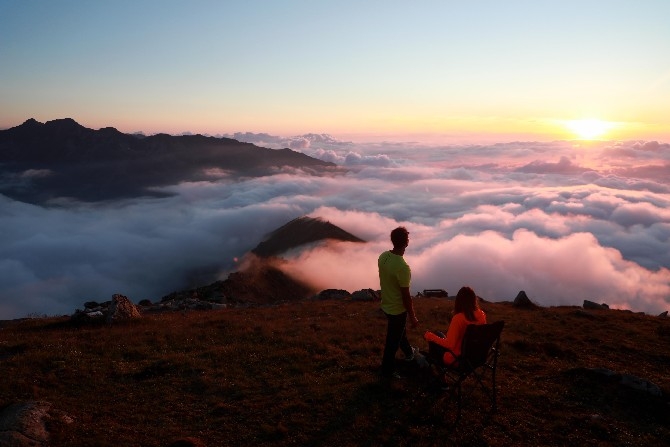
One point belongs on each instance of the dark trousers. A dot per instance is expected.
(396, 337)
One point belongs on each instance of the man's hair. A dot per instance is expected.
(466, 302)
(399, 236)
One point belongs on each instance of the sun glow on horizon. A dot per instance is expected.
(589, 129)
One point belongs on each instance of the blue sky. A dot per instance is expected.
(431, 70)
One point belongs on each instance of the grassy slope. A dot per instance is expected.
(305, 374)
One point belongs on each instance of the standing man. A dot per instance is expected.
(394, 280)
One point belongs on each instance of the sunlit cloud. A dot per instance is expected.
(590, 128)
(553, 219)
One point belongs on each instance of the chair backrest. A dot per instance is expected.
(478, 341)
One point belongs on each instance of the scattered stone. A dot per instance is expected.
(626, 380)
(593, 305)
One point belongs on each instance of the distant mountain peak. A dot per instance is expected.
(30, 122)
(66, 124)
(68, 121)
(301, 231)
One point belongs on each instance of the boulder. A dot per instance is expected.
(593, 305)
(625, 380)
(365, 295)
(87, 316)
(122, 309)
(333, 294)
(25, 424)
(435, 292)
(523, 301)
(663, 314)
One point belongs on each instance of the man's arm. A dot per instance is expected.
(409, 306)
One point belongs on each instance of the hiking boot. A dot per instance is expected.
(411, 357)
(392, 375)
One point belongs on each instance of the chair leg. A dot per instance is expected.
(459, 401)
(494, 407)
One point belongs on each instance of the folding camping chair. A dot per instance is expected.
(479, 356)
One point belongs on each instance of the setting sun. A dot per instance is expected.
(589, 129)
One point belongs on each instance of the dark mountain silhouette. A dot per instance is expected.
(261, 280)
(301, 231)
(60, 158)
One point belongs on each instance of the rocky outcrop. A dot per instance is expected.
(94, 312)
(122, 309)
(260, 282)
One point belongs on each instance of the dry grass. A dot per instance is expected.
(305, 374)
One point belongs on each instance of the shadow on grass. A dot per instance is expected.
(412, 411)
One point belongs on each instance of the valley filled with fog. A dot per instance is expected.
(564, 221)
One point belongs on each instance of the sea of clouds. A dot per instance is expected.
(563, 221)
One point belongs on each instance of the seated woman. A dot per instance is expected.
(466, 311)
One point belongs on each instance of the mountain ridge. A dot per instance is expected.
(301, 231)
(96, 165)
(261, 280)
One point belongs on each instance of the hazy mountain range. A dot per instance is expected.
(61, 158)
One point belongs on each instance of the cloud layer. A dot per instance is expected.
(563, 221)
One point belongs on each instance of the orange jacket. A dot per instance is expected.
(455, 334)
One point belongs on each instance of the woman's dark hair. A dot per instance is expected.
(399, 237)
(466, 302)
